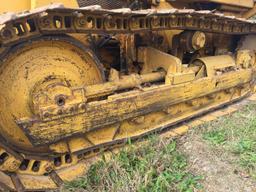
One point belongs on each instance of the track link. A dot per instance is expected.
(54, 179)
(55, 19)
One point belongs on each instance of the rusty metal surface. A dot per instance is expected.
(108, 112)
(93, 19)
(54, 177)
(55, 19)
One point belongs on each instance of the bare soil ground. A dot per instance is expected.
(224, 152)
(219, 172)
(219, 156)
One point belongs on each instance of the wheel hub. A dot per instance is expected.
(41, 72)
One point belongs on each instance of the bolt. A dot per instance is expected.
(6, 33)
(48, 169)
(60, 112)
(46, 114)
(81, 22)
(45, 22)
(71, 109)
(82, 106)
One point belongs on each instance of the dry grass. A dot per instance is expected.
(160, 166)
(156, 166)
(235, 135)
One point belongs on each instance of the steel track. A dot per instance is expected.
(87, 154)
(57, 20)
(15, 28)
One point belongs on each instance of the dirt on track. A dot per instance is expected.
(216, 167)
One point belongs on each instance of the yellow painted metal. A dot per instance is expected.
(75, 171)
(41, 73)
(245, 58)
(148, 122)
(15, 5)
(253, 98)
(61, 94)
(125, 82)
(122, 106)
(22, 5)
(36, 183)
(179, 78)
(11, 164)
(150, 58)
(129, 129)
(66, 3)
(70, 173)
(195, 123)
(207, 118)
(213, 66)
(250, 13)
(60, 125)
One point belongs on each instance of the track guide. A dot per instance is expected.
(57, 20)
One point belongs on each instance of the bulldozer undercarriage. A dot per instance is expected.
(70, 107)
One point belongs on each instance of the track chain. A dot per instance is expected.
(55, 19)
(14, 181)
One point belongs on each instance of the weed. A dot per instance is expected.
(215, 137)
(236, 134)
(159, 166)
(155, 166)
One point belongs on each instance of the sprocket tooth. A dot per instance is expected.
(68, 127)
(11, 164)
(9, 160)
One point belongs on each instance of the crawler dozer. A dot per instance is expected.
(82, 76)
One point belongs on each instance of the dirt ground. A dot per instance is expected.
(218, 156)
(218, 171)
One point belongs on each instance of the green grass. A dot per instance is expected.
(236, 134)
(215, 137)
(160, 166)
(155, 166)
